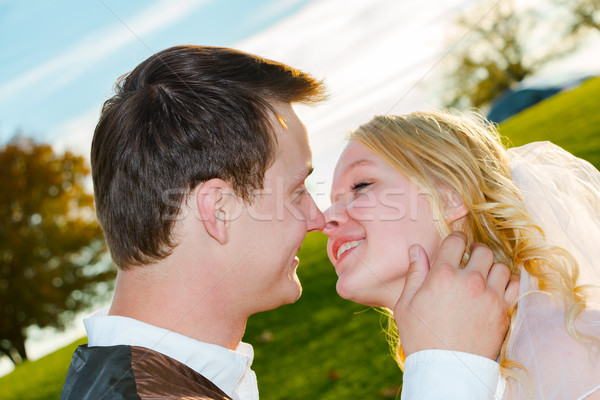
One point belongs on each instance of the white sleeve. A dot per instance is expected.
(446, 374)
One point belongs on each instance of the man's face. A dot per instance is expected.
(273, 227)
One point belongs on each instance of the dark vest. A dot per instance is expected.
(130, 372)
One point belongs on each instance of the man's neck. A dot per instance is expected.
(204, 318)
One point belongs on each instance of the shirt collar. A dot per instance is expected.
(224, 367)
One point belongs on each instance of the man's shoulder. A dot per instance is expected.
(130, 372)
(159, 375)
(100, 372)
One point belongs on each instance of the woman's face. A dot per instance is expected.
(375, 216)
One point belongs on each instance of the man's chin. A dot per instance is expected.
(288, 297)
(295, 293)
(299, 293)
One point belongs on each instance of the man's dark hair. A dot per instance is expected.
(185, 115)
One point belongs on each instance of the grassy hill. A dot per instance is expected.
(570, 120)
(323, 347)
(41, 379)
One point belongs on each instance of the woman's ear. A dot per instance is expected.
(213, 201)
(454, 206)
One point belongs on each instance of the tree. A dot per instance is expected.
(584, 14)
(50, 243)
(498, 47)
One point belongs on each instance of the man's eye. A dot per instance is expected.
(357, 187)
(300, 193)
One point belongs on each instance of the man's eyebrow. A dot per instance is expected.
(354, 164)
(301, 176)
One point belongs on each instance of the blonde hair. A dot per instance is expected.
(434, 149)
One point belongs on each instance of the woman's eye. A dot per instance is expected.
(357, 187)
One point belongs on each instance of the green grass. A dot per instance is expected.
(570, 120)
(41, 379)
(323, 347)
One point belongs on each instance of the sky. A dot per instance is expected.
(59, 60)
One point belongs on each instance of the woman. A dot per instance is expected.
(412, 179)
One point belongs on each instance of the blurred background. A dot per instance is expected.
(530, 66)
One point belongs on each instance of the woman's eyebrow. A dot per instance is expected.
(358, 163)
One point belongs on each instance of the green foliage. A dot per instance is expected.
(41, 379)
(570, 120)
(50, 243)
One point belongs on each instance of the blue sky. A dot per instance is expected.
(59, 58)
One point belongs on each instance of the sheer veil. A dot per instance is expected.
(562, 194)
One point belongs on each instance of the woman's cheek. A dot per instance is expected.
(394, 206)
(383, 207)
(391, 258)
(364, 208)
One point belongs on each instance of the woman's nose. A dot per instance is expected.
(335, 216)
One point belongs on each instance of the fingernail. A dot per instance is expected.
(413, 254)
(459, 233)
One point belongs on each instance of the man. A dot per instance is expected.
(199, 163)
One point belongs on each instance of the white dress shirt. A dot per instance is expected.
(229, 370)
(428, 375)
(446, 374)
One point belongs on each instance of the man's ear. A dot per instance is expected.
(454, 206)
(213, 201)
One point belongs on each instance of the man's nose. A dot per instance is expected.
(316, 219)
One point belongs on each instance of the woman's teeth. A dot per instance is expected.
(347, 246)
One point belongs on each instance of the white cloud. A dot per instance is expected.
(272, 10)
(76, 133)
(66, 66)
(372, 55)
(376, 57)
